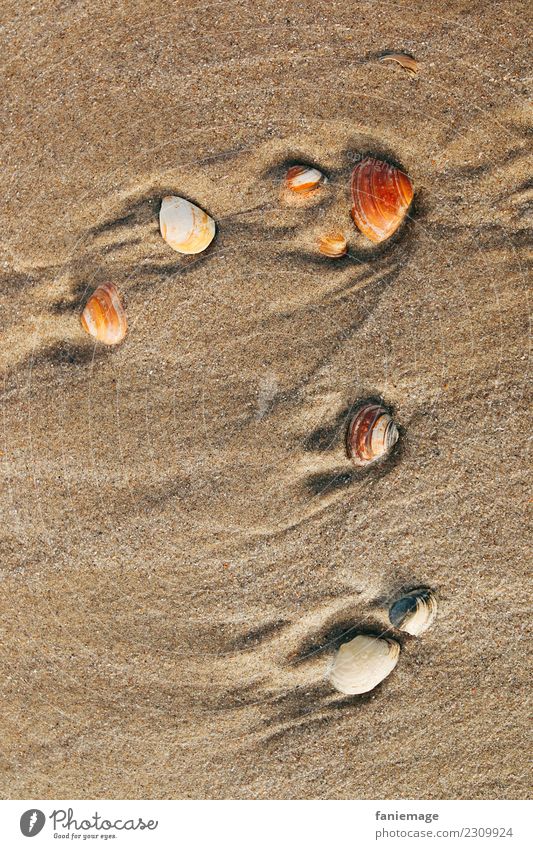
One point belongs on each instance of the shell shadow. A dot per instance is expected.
(331, 637)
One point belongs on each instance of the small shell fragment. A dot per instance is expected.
(333, 245)
(303, 179)
(371, 434)
(414, 613)
(381, 197)
(104, 316)
(363, 663)
(184, 226)
(408, 62)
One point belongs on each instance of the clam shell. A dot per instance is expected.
(414, 612)
(303, 179)
(104, 316)
(381, 197)
(363, 663)
(371, 434)
(184, 226)
(333, 245)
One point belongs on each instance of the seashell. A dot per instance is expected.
(104, 316)
(408, 62)
(303, 179)
(333, 245)
(371, 434)
(363, 663)
(414, 612)
(381, 196)
(186, 227)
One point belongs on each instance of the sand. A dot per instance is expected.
(183, 538)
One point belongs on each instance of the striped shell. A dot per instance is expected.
(104, 317)
(303, 179)
(414, 612)
(371, 434)
(381, 197)
(184, 226)
(363, 663)
(333, 245)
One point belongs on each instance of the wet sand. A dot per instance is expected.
(183, 538)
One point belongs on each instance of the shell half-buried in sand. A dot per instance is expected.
(184, 226)
(371, 434)
(303, 180)
(414, 613)
(363, 663)
(104, 316)
(381, 197)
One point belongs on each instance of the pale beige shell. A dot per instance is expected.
(363, 663)
(184, 226)
(414, 613)
(104, 316)
(303, 179)
(333, 245)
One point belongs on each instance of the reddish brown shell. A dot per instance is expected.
(104, 316)
(381, 197)
(371, 434)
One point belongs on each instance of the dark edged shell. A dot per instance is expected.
(381, 197)
(371, 434)
(104, 316)
(414, 613)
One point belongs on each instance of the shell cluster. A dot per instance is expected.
(366, 661)
(414, 613)
(371, 435)
(381, 197)
(363, 663)
(104, 316)
(184, 226)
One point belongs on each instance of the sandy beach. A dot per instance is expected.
(185, 543)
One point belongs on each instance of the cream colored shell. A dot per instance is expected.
(184, 226)
(363, 663)
(414, 613)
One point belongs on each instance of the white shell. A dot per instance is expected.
(414, 612)
(363, 663)
(186, 227)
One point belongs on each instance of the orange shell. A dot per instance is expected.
(104, 316)
(303, 179)
(381, 196)
(333, 245)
